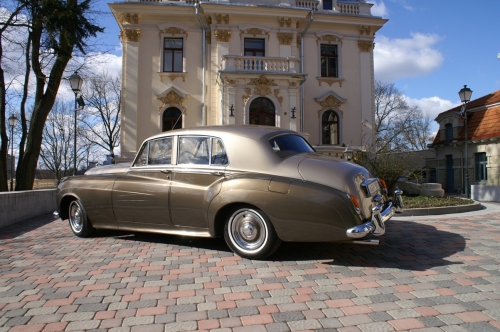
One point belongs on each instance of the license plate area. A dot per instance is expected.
(371, 186)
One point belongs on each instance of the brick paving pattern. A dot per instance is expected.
(432, 274)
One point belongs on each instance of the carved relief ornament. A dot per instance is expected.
(366, 45)
(255, 32)
(285, 38)
(223, 36)
(131, 35)
(221, 17)
(247, 96)
(329, 39)
(277, 95)
(171, 98)
(174, 31)
(285, 21)
(365, 29)
(262, 85)
(129, 18)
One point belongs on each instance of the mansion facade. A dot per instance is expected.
(294, 64)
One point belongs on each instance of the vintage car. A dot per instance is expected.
(254, 185)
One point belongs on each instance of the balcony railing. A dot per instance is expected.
(259, 64)
(311, 4)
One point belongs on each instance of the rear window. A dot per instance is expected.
(289, 145)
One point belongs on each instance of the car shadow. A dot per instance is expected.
(406, 245)
(25, 226)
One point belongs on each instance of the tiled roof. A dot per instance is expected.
(481, 124)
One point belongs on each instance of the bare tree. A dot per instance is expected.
(101, 120)
(54, 30)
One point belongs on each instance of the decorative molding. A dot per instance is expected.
(222, 17)
(254, 32)
(366, 45)
(285, 21)
(209, 19)
(276, 94)
(285, 38)
(330, 100)
(330, 80)
(365, 29)
(262, 85)
(129, 18)
(173, 75)
(223, 36)
(297, 25)
(174, 31)
(298, 40)
(131, 35)
(172, 97)
(329, 39)
(245, 98)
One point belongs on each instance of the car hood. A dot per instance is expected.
(109, 169)
(332, 172)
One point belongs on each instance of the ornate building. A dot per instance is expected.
(294, 64)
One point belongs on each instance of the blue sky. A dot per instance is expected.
(428, 48)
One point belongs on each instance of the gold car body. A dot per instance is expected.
(307, 196)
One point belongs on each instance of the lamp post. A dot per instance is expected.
(76, 84)
(465, 93)
(12, 124)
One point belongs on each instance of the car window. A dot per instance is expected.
(194, 150)
(160, 151)
(142, 156)
(219, 156)
(289, 145)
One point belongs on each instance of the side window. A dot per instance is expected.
(172, 54)
(329, 60)
(219, 156)
(160, 151)
(194, 150)
(449, 132)
(481, 163)
(142, 157)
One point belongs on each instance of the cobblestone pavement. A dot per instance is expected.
(428, 274)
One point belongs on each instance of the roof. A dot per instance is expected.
(483, 118)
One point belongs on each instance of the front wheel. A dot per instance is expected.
(250, 234)
(78, 220)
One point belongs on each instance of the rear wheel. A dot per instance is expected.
(78, 220)
(250, 234)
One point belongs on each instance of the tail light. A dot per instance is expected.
(354, 201)
(383, 184)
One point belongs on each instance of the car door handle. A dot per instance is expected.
(166, 171)
(217, 173)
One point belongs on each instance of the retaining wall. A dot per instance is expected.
(485, 193)
(21, 205)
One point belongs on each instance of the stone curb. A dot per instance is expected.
(441, 210)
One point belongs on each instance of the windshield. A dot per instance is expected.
(289, 145)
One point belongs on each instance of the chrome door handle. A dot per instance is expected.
(166, 171)
(217, 173)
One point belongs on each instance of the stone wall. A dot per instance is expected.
(21, 205)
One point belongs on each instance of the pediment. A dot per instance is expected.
(172, 97)
(330, 100)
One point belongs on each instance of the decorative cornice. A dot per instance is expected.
(129, 18)
(285, 38)
(254, 32)
(222, 17)
(329, 39)
(131, 35)
(365, 29)
(285, 21)
(366, 45)
(262, 85)
(223, 36)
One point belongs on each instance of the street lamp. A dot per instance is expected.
(465, 93)
(76, 85)
(12, 124)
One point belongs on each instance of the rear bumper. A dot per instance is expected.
(380, 214)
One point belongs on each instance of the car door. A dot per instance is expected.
(142, 196)
(196, 179)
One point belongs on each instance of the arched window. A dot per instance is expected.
(172, 119)
(330, 128)
(262, 112)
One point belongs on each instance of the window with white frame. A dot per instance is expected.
(173, 53)
(329, 60)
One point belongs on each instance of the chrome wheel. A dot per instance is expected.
(78, 221)
(76, 217)
(249, 233)
(248, 230)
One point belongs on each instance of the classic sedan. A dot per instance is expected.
(254, 185)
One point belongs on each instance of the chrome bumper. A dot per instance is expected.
(380, 214)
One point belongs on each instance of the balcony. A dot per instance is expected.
(253, 64)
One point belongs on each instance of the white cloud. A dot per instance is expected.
(432, 106)
(379, 9)
(406, 57)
